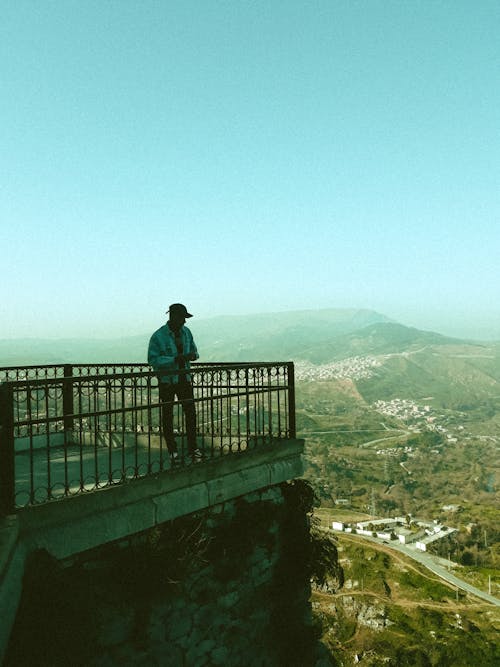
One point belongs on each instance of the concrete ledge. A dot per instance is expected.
(73, 525)
(9, 534)
(12, 560)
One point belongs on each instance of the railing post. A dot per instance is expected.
(291, 400)
(7, 467)
(68, 407)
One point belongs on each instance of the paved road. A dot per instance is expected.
(398, 433)
(432, 564)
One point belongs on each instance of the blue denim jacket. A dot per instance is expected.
(162, 352)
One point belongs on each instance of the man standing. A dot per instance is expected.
(172, 348)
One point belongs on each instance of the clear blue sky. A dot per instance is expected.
(248, 157)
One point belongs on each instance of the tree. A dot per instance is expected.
(467, 558)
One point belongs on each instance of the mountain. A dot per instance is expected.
(315, 336)
(457, 375)
(377, 338)
(260, 337)
(33, 351)
(277, 336)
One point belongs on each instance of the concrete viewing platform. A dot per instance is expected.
(92, 462)
(70, 526)
(73, 525)
(83, 463)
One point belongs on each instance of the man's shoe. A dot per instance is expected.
(197, 455)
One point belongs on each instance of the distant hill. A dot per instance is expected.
(456, 374)
(277, 336)
(378, 338)
(33, 351)
(261, 337)
(317, 336)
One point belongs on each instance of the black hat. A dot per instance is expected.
(179, 308)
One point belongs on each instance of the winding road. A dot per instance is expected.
(432, 563)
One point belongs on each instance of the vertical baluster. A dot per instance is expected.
(278, 400)
(47, 438)
(211, 414)
(81, 435)
(269, 404)
(68, 397)
(291, 400)
(29, 415)
(229, 377)
(134, 426)
(97, 429)
(149, 420)
(111, 424)
(238, 408)
(66, 443)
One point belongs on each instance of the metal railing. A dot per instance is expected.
(67, 430)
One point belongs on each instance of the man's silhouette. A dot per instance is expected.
(172, 348)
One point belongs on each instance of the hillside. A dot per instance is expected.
(396, 421)
(279, 336)
(33, 351)
(388, 610)
(415, 431)
(375, 339)
(319, 337)
(260, 337)
(455, 375)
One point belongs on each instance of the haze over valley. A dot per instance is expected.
(243, 157)
(398, 422)
(317, 336)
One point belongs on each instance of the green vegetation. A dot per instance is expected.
(387, 463)
(391, 611)
(431, 450)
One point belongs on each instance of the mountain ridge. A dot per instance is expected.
(318, 336)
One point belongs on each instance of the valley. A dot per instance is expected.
(389, 610)
(414, 433)
(397, 422)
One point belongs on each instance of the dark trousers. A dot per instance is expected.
(184, 392)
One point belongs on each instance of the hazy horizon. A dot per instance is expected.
(482, 331)
(248, 157)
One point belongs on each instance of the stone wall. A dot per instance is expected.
(226, 586)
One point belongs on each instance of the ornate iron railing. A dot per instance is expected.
(67, 430)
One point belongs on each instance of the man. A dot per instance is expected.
(172, 348)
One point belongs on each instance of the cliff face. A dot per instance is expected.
(227, 586)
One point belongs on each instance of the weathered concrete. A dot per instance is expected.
(64, 528)
(67, 527)
(228, 585)
(12, 558)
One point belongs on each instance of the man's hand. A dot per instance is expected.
(182, 358)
